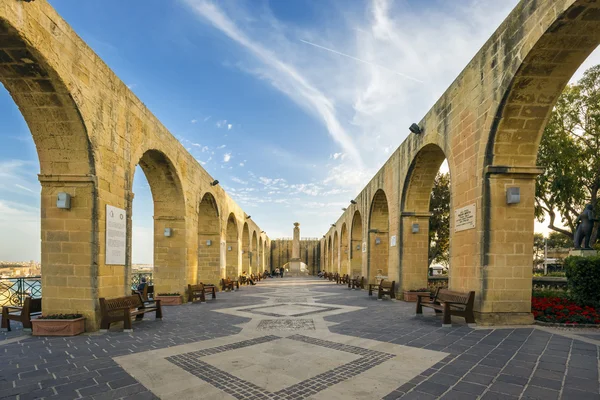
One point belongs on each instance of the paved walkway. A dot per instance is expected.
(302, 338)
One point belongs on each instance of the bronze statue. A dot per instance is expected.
(585, 225)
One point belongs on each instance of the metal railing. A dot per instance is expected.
(538, 282)
(137, 277)
(14, 290)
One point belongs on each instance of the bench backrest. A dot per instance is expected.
(387, 284)
(32, 306)
(443, 295)
(108, 305)
(195, 288)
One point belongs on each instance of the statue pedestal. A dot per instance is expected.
(583, 253)
(295, 267)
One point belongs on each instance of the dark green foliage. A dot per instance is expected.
(439, 223)
(583, 275)
(61, 316)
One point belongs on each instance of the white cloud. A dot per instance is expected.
(222, 123)
(238, 180)
(25, 188)
(226, 157)
(229, 126)
(194, 121)
(282, 75)
(221, 147)
(207, 118)
(242, 164)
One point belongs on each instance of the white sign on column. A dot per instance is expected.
(116, 235)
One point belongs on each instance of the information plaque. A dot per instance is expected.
(464, 218)
(116, 235)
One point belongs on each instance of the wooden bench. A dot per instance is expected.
(22, 314)
(199, 292)
(384, 287)
(228, 284)
(449, 303)
(124, 308)
(358, 282)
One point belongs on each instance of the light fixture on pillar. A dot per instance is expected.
(262, 231)
(228, 248)
(344, 209)
(415, 228)
(358, 247)
(168, 232)
(513, 195)
(416, 129)
(333, 225)
(63, 201)
(208, 242)
(214, 183)
(377, 241)
(353, 201)
(248, 216)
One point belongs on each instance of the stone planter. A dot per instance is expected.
(412, 296)
(58, 327)
(169, 300)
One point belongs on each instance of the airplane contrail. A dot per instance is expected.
(363, 61)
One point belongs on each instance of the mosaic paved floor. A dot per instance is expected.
(302, 338)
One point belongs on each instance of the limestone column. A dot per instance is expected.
(295, 262)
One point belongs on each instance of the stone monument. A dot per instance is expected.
(583, 233)
(295, 264)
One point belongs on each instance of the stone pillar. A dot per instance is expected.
(505, 278)
(170, 255)
(70, 247)
(295, 262)
(296, 241)
(415, 251)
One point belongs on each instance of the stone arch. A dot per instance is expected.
(335, 259)
(328, 258)
(534, 81)
(379, 228)
(344, 244)
(261, 255)
(246, 248)
(67, 164)
(254, 254)
(416, 196)
(209, 237)
(232, 248)
(169, 213)
(356, 240)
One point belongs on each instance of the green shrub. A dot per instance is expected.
(583, 276)
(550, 293)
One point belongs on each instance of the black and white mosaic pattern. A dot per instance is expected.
(243, 389)
(271, 310)
(286, 324)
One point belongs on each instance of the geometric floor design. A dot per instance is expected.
(302, 338)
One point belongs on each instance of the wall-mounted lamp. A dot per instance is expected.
(63, 201)
(262, 231)
(344, 209)
(415, 228)
(358, 247)
(168, 232)
(209, 242)
(346, 251)
(333, 225)
(416, 129)
(513, 195)
(248, 216)
(214, 183)
(323, 236)
(228, 248)
(352, 201)
(377, 241)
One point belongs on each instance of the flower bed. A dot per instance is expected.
(559, 310)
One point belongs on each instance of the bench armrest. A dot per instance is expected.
(15, 308)
(425, 295)
(453, 303)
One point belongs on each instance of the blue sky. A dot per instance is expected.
(292, 129)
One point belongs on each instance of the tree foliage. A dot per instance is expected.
(439, 223)
(569, 152)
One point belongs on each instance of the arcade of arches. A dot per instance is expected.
(91, 131)
(487, 125)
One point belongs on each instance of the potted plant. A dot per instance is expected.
(413, 294)
(169, 299)
(58, 325)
